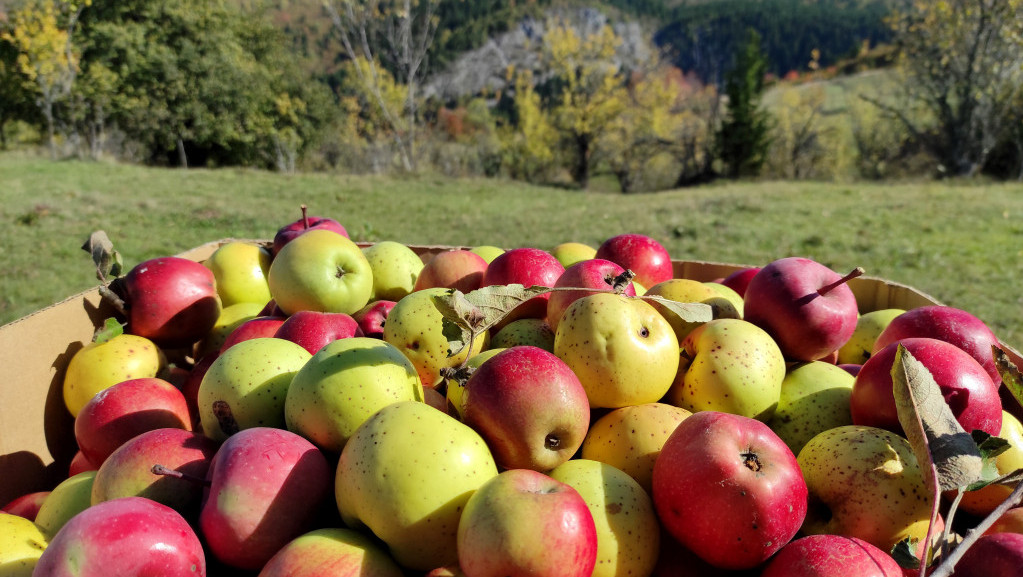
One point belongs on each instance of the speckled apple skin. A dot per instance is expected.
(331, 552)
(22, 542)
(98, 366)
(395, 269)
(831, 556)
(814, 398)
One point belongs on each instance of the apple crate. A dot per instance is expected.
(37, 432)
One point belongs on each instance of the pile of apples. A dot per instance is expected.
(311, 407)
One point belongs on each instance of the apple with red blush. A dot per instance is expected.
(739, 280)
(992, 555)
(527, 267)
(641, 254)
(457, 269)
(594, 274)
(313, 329)
(290, 231)
(26, 505)
(831, 556)
(254, 328)
(372, 317)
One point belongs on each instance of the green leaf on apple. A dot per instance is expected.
(688, 312)
(110, 329)
(1010, 373)
(467, 316)
(904, 554)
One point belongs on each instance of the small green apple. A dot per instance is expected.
(814, 398)
(69, 498)
(623, 351)
(732, 366)
(343, 384)
(526, 331)
(230, 318)
(100, 365)
(247, 384)
(569, 253)
(487, 252)
(869, 325)
(406, 474)
(395, 269)
(240, 270)
(22, 542)
(320, 270)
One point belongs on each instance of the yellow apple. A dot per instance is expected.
(229, 319)
(983, 501)
(569, 253)
(21, 544)
(690, 291)
(240, 270)
(869, 325)
(100, 365)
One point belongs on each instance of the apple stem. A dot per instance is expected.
(852, 274)
(159, 469)
(305, 217)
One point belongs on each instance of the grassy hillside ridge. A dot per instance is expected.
(958, 242)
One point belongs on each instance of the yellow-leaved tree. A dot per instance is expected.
(528, 144)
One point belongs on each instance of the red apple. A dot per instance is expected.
(80, 464)
(290, 231)
(641, 254)
(314, 329)
(1010, 522)
(852, 369)
(523, 522)
(805, 306)
(596, 274)
(455, 269)
(129, 408)
(254, 328)
(27, 505)
(995, 555)
(128, 536)
(964, 383)
(948, 324)
(372, 317)
(729, 489)
(831, 556)
(190, 388)
(172, 301)
(529, 407)
(267, 487)
(528, 267)
(739, 280)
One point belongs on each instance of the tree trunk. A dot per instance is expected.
(182, 157)
(581, 168)
(50, 138)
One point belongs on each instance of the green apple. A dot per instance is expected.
(569, 253)
(628, 531)
(415, 325)
(22, 542)
(247, 384)
(230, 318)
(983, 501)
(406, 474)
(100, 365)
(869, 325)
(240, 269)
(395, 269)
(526, 331)
(732, 366)
(69, 498)
(864, 482)
(814, 398)
(729, 294)
(690, 291)
(343, 384)
(623, 351)
(322, 271)
(331, 552)
(630, 438)
(454, 388)
(487, 252)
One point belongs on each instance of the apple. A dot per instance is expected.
(129, 408)
(290, 231)
(949, 324)
(691, 291)
(372, 318)
(623, 351)
(170, 300)
(129, 536)
(456, 379)
(22, 542)
(814, 398)
(395, 269)
(529, 407)
(729, 294)
(406, 475)
(320, 270)
(69, 498)
(190, 388)
(966, 386)
(523, 522)
(535, 332)
(593, 274)
(1009, 522)
(869, 326)
(983, 501)
(804, 305)
(104, 363)
(26, 505)
(80, 464)
(331, 552)
(569, 253)
(253, 328)
(628, 531)
(729, 365)
(528, 267)
(996, 555)
(630, 438)
(313, 329)
(864, 482)
(128, 472)
(240, 269)
(488, 252)
(739, 279)
(728, 488)
(231, 317)
(415, 325)
(247, 385)
(266, 487)
(641, 254)
(831, 556)
(342, 385)
(455, 269)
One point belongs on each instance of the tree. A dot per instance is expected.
(742, 140)
(529, 141)
(400, 31)
(962, 62)
(16, 96)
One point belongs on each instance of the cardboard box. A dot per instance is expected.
(37, 433)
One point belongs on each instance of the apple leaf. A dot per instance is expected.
(110, 329)
(905, 555)
(107, 260)
(1011, 376)
(688, 312)
(467, 316)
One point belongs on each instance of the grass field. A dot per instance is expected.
(960, 242)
